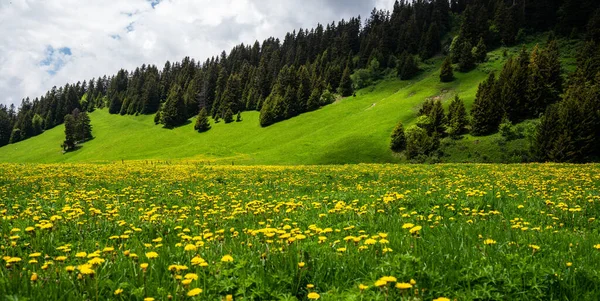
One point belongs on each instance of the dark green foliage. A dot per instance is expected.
(398, 142)
(314, 101)
(438, 119)
(418, 143)
(431, 42)
(202, 123)
(466, 61)
(83, 130)
(480, 51)
(228, 117)
(407, 66)
(447, 72)
(15, 136)
(487, 110)
(238, 117)
(345, 88)
(70, 125)
(38, 124)
(570, 130)
(157, 118)
(173, 112)
(512, 85)
(426, 107)
(458, 119)
(5, 126)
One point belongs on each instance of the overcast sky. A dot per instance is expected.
(45, 43)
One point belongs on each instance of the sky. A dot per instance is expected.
(46, 43)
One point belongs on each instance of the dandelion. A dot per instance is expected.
(408, 226)
(34, 277)
(227, 258)
(441, 299)
(190, 247)
(301, 264)
(144, 266)
(151, 255)
(191, 276)
(309, 286)
(313, 296)
(489, 242)
(597, 247)
(148, 299)
(569, 264)
(362, 287)
(415, 230)
(118, 291)
(403, 285)
(194, 292)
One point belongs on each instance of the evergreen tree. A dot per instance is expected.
(398, 143)
(408, 67)
(202, 123)
(466, 62)
(84, 127)
(5, 126)
(457, 117)
(513, 87)
(37, 124)
(228, 117)
(173, 113)
(157, 118)
(70, 132)
(431, 42)
(345, 88)
(486, 111)
(438, 119)
(480, 51)
(418, 143)
(314, 101)
(15, 136)
(238, 117)
(447, 73)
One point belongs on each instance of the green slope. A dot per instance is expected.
(352, 130)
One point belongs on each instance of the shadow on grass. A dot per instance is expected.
(177, 126)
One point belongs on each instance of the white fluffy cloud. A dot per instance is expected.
(44, 43)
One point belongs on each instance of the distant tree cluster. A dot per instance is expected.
(569, 130)
(78, 129)
(432, 125)
(526, 86)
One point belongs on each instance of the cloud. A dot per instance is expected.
(44, 43)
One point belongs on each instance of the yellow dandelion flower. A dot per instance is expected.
(313, 296)
(403, 285)
(118, 291)
(227, 258)
(194, 292)
(301, 264)
(151, 255)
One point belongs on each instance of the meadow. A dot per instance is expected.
(150, 230)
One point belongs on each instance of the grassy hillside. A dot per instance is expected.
(352, 130)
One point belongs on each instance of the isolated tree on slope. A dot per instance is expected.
(202, 123)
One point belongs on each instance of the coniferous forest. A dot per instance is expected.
(311, 68)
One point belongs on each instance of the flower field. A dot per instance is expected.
(156, 231)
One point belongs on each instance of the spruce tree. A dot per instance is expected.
(173, 113)
(398, 143)
(202, 123)
(447, 73)
(228, 117)
(70, 125)
(409, 67)
(157, 118)
(486, 112)
(438, 119)
(84, 127)
(457, 117)
(345, 88)
(480, 51)
(466, 62)
(314, 100)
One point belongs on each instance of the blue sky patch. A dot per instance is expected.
(54, 59)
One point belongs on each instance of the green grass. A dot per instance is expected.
(352, 130)
(460, 231)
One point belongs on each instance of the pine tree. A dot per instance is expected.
(457, 117)
(480, 51)
(408, 67)
(84, 127)
(70, 125)
(437, 118)
(202, 123)
(314, 101)
(486, 111)
(228, 117)
(398, 143)
(238, 117)
(447, 73)
(466, 62)
(5, 126)
(157, 118)
(173, 113)
(345, 88)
